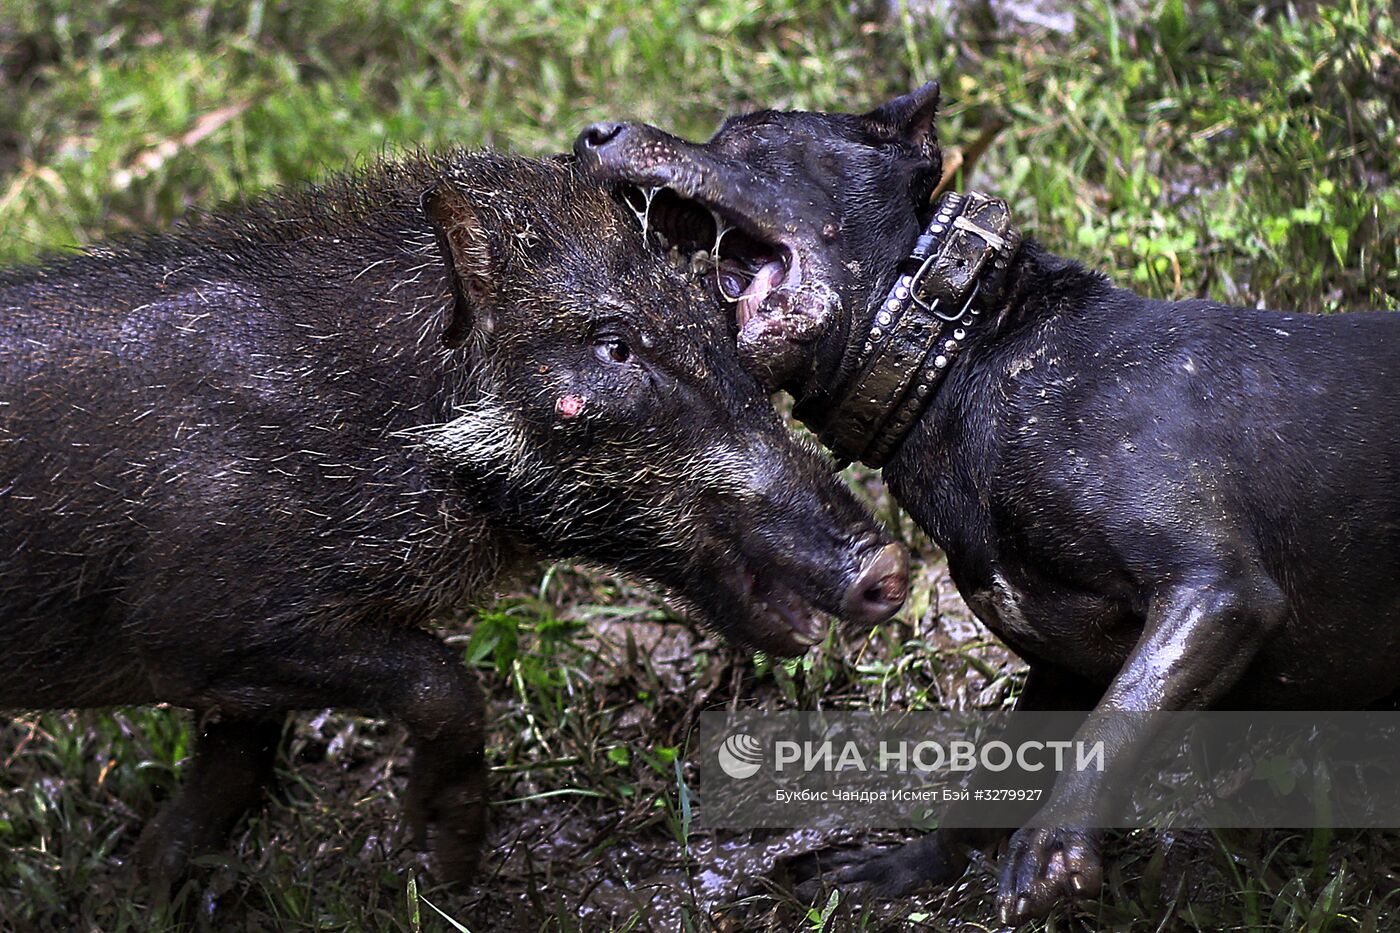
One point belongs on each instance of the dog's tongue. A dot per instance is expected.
(764, 281)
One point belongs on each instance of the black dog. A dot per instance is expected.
(1159, 505)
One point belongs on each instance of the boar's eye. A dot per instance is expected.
(612, 350)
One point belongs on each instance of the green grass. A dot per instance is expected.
(1244, 152)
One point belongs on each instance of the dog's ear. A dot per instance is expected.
(471, 262)
(908, 118)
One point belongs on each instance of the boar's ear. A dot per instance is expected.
(466, 251)
(908, 118)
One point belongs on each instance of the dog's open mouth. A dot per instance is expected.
(743, 269)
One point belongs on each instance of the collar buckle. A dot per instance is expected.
(916, 289)
(911, 342)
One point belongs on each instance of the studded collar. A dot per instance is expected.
(955, 270)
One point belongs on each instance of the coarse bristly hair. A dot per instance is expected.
(340, 405)
(242, 462)
(248, 379)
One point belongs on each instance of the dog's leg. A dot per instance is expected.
(1198, 639)
(942, 856)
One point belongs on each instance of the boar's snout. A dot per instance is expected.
(799, 547)
(879, 588)
(783, 603)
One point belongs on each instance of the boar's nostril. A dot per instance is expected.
(598, 135)
(879, 588)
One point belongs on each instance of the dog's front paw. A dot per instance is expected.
(883, 873)
(1043, 866)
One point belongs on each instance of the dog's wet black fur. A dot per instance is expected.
(1159, 505)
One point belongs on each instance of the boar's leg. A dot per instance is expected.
(394, 672)
(447, 785)
(231, 767)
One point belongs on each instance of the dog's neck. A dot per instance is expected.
(886, 369)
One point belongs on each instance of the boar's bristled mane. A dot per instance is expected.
(341, 287)
(243, 461)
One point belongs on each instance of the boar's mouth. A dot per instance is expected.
(786, 623)
(752, 273)
(751, 599)
(774, 604)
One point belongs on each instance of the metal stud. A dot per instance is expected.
(959, 334)
(940, 361)
(901, 292)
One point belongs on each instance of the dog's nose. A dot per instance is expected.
(880, 587)
(598, 135)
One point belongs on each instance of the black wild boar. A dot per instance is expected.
(242, 463)
(1159, 505)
